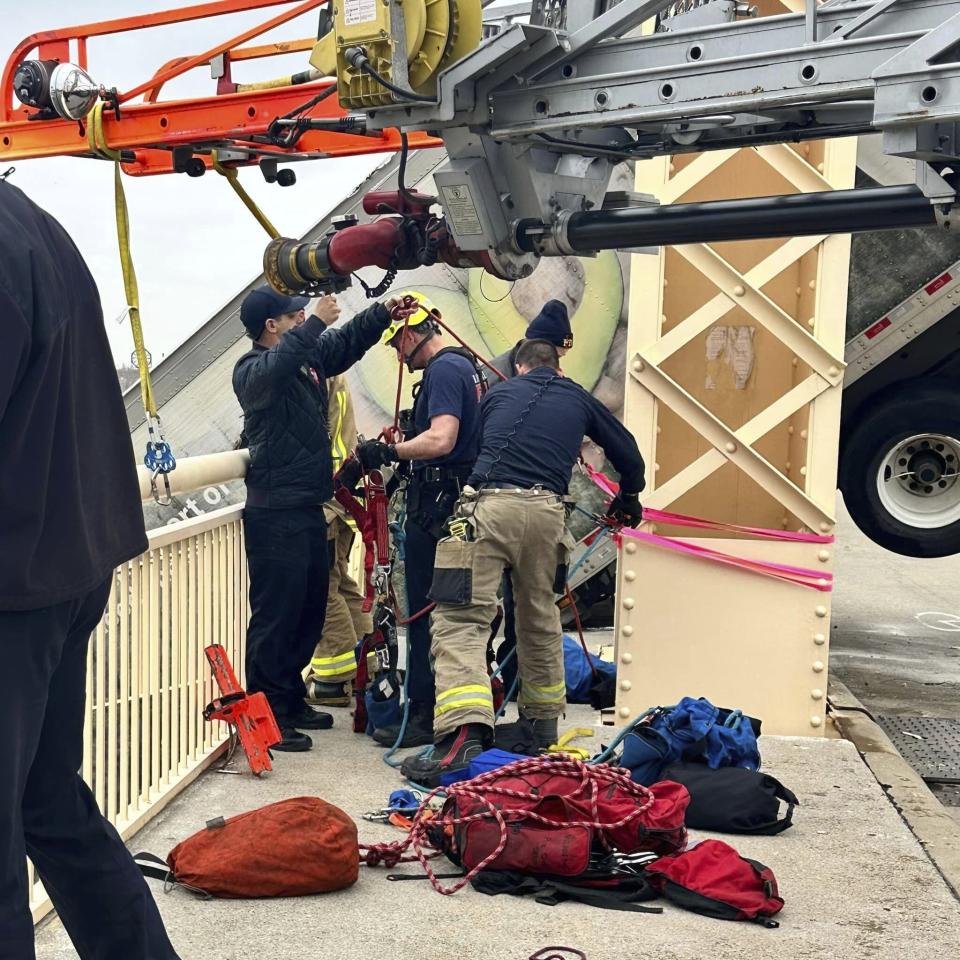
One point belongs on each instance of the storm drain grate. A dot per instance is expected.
(931, 745)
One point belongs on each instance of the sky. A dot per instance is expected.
(194, 244)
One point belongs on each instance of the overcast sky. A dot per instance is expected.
(194, 244)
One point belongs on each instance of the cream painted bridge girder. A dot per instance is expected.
(733, 390)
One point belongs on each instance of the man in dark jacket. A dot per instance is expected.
(69, 513)
(281, 385)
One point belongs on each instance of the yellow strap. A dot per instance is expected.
(232, 176)
(98, 144)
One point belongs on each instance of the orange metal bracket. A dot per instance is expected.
(148, 132)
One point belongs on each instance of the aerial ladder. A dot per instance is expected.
(534, 118)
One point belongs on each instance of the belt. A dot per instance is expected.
(439, 474)
(508, 487)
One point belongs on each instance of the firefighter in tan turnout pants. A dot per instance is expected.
(512, 514)
(334, 664)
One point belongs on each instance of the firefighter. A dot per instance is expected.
(441, 449)
(532, 427)
(64, 529)
(281, 386)
(334, 665)
(551, 323)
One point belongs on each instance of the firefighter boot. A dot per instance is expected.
(450, 754)
(545, 731)
(322, 694)
(419, 731)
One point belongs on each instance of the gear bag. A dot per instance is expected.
(733, 800)
(299, 846)
(694, 729)
(558, 814)
(713, 879)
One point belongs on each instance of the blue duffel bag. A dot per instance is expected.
(693, 730)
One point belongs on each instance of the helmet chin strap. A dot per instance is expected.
(409, 360)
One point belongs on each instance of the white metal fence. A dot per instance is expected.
(145, 738)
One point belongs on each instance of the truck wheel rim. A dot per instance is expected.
(918, 481)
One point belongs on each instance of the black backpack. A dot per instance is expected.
(733, 799)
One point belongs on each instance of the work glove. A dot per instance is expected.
(349, 474)
(626, 509)
(374, 454)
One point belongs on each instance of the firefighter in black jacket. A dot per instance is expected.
(531, 430)
(281, 386)
(70, 513)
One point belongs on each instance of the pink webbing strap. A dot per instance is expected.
(682, 520)
(815, 579)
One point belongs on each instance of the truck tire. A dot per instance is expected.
(900, 472)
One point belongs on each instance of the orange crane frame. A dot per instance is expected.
(148, 131)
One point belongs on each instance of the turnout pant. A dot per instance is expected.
(523, 530)
(47, 811)
(287, 561)
(334, 659)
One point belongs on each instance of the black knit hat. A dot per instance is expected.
(552, 323)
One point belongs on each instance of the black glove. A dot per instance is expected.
(374, 454)
(349, 474)
(626, 509)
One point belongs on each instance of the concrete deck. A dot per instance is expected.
(856, 882)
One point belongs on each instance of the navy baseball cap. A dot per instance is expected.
(264, 303)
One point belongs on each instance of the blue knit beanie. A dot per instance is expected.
(552, 323)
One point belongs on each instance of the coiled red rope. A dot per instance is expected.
(483, 789)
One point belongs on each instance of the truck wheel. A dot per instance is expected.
(901, 472)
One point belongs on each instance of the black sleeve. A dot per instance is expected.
(257, 380)
(341, 347)
(16, 347)
(617, 443)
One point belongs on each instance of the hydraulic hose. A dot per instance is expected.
(802, 214)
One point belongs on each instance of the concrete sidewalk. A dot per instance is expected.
(856, 882)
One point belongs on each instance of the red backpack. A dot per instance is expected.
(713, 879)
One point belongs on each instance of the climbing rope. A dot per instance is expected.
(158, 458)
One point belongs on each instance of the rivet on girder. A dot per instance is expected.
(624, 712)
(628, 604)
(819, 639)
(626, 685)
(816, 721)
(627, 630)
(631, 548)
(823, 556)
(630, 575)
(818, 666)
(821, 611)
(816, 694)
(739, 290)
(637, 366)
(730, 447)
(626, 658)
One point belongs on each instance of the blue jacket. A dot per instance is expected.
(283, 393)
(531, 429)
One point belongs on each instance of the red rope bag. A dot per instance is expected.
(543, 816)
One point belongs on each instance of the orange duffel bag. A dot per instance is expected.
(295, 847)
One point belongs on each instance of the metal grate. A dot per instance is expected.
(931, 745)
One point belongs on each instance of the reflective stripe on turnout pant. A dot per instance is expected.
(345, 622)
(522, 530)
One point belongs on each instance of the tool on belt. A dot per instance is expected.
(249, 714)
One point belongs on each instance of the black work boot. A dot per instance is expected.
(448, 755)
(311, 719)
(323, 694)
(293, 741)
(419, 732)
(545, 731)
